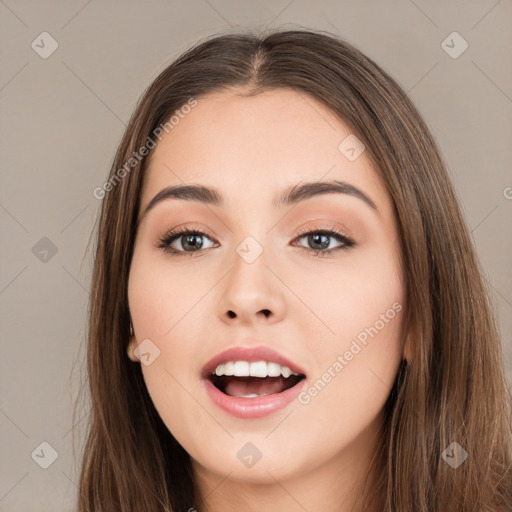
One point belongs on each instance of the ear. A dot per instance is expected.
(407, 352)
(132, 344)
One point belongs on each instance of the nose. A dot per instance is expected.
(251, 293)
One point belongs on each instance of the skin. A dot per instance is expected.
(251, 149)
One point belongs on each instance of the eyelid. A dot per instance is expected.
(324, 227)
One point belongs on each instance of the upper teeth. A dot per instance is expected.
(253, 369)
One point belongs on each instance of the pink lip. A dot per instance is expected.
(249, 408)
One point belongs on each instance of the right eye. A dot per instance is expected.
(182, 241)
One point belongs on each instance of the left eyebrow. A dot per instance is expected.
(291, 196)
(298, 193)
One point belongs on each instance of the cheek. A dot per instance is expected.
(162, 298)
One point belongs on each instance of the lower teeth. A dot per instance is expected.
(253, 395)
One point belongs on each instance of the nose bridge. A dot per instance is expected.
(250, 287)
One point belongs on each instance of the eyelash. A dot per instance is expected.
(167, 239)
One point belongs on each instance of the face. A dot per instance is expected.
(312, 284)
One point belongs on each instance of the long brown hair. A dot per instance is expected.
(452, 390)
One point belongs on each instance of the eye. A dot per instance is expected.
(320, 240)
(183, 241)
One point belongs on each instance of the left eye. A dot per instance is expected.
(190, 242)
(322, 240)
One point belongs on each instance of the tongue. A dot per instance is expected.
(238, 386)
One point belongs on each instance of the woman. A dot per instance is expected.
(282, 254)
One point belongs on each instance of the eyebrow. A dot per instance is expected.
(291, 196)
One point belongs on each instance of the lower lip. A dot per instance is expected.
(250, 408)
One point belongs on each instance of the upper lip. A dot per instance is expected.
(250, 354)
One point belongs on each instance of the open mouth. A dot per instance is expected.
(251, 380)
(253, 387)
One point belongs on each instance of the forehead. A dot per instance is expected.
(259, 145)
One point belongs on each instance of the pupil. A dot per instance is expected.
(315, 239)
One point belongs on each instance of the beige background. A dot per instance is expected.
(62, 118)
